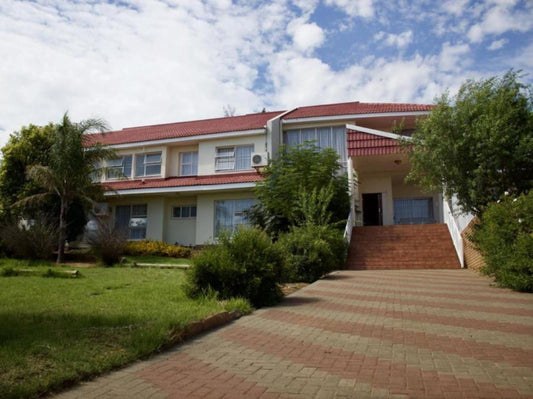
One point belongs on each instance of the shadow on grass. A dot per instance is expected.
(42, 353)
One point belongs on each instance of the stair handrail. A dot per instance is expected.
(455, 233)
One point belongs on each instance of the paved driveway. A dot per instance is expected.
(356, 334)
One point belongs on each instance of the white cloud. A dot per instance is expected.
(306, 36)
(455, 7)
(354, 8)
(454, 57)
(400, 40)
(501, 18)
(153, 64)
(497, 44)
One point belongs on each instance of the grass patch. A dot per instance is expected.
(162, 260)
(58, 331)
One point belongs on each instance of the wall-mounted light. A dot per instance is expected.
(397, 161)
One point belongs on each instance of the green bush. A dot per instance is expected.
(243, 265)
(311, 251)
(108, 242)
(156, 248)
(505, 238)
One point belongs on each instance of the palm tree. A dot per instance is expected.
(68, 176)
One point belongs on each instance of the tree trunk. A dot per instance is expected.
(62, 230)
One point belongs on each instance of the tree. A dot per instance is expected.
(302, 180)
(67, 175)
(30, 145)
(478, 144)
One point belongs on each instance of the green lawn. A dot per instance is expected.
(56, 331)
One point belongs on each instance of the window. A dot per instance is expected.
(132, 218)
(189, 164)
(96, 173)
(323, 137)
(185, 211)
(229, 214)
(413, 211)
(119, 167)
(234, 158)
(148, 164)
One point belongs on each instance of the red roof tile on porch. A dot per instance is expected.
(361, 144)
(185, 181)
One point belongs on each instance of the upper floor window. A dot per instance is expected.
(323, 137)
(148, 164)
(234, 158)
(119, 167)
(189, 164)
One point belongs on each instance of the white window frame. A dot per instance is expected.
(147, 164)
(135, 219)
(181, 208)
(235, 215)
(192, 164)
(117, 167)
(230, 158)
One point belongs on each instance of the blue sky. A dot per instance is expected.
(138, 62)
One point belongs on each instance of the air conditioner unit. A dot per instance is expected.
(259, 159)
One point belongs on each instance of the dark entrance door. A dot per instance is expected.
(372, 210)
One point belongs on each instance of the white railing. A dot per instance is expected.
(455, 233)
(349, 227)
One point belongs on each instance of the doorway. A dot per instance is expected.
(372, 210)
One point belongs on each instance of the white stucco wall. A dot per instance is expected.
(180, 230)
(205, 221)
(207, 150)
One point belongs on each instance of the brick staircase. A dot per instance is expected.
(427, 246)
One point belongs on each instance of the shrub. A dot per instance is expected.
(36, 241)
(243, 265)
(311, 251)
(156, 248)
(107, 241)
(505, 238)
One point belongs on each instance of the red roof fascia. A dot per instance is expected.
(354, 108)
(183, 129)
(362, 144)
(185, 181)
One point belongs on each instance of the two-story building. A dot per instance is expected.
(184, 182)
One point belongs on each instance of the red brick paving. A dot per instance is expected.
(356, 334)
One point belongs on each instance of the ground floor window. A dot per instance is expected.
(413, 211)
(184, 211)
(133, 219)
(229, 214)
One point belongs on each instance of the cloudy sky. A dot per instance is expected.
(139, 62)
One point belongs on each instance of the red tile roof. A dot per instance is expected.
(184, 129)
(185, 181)
(354, 108)
(244, 122)
(361, 144)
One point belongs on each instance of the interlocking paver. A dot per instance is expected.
(356, 334)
